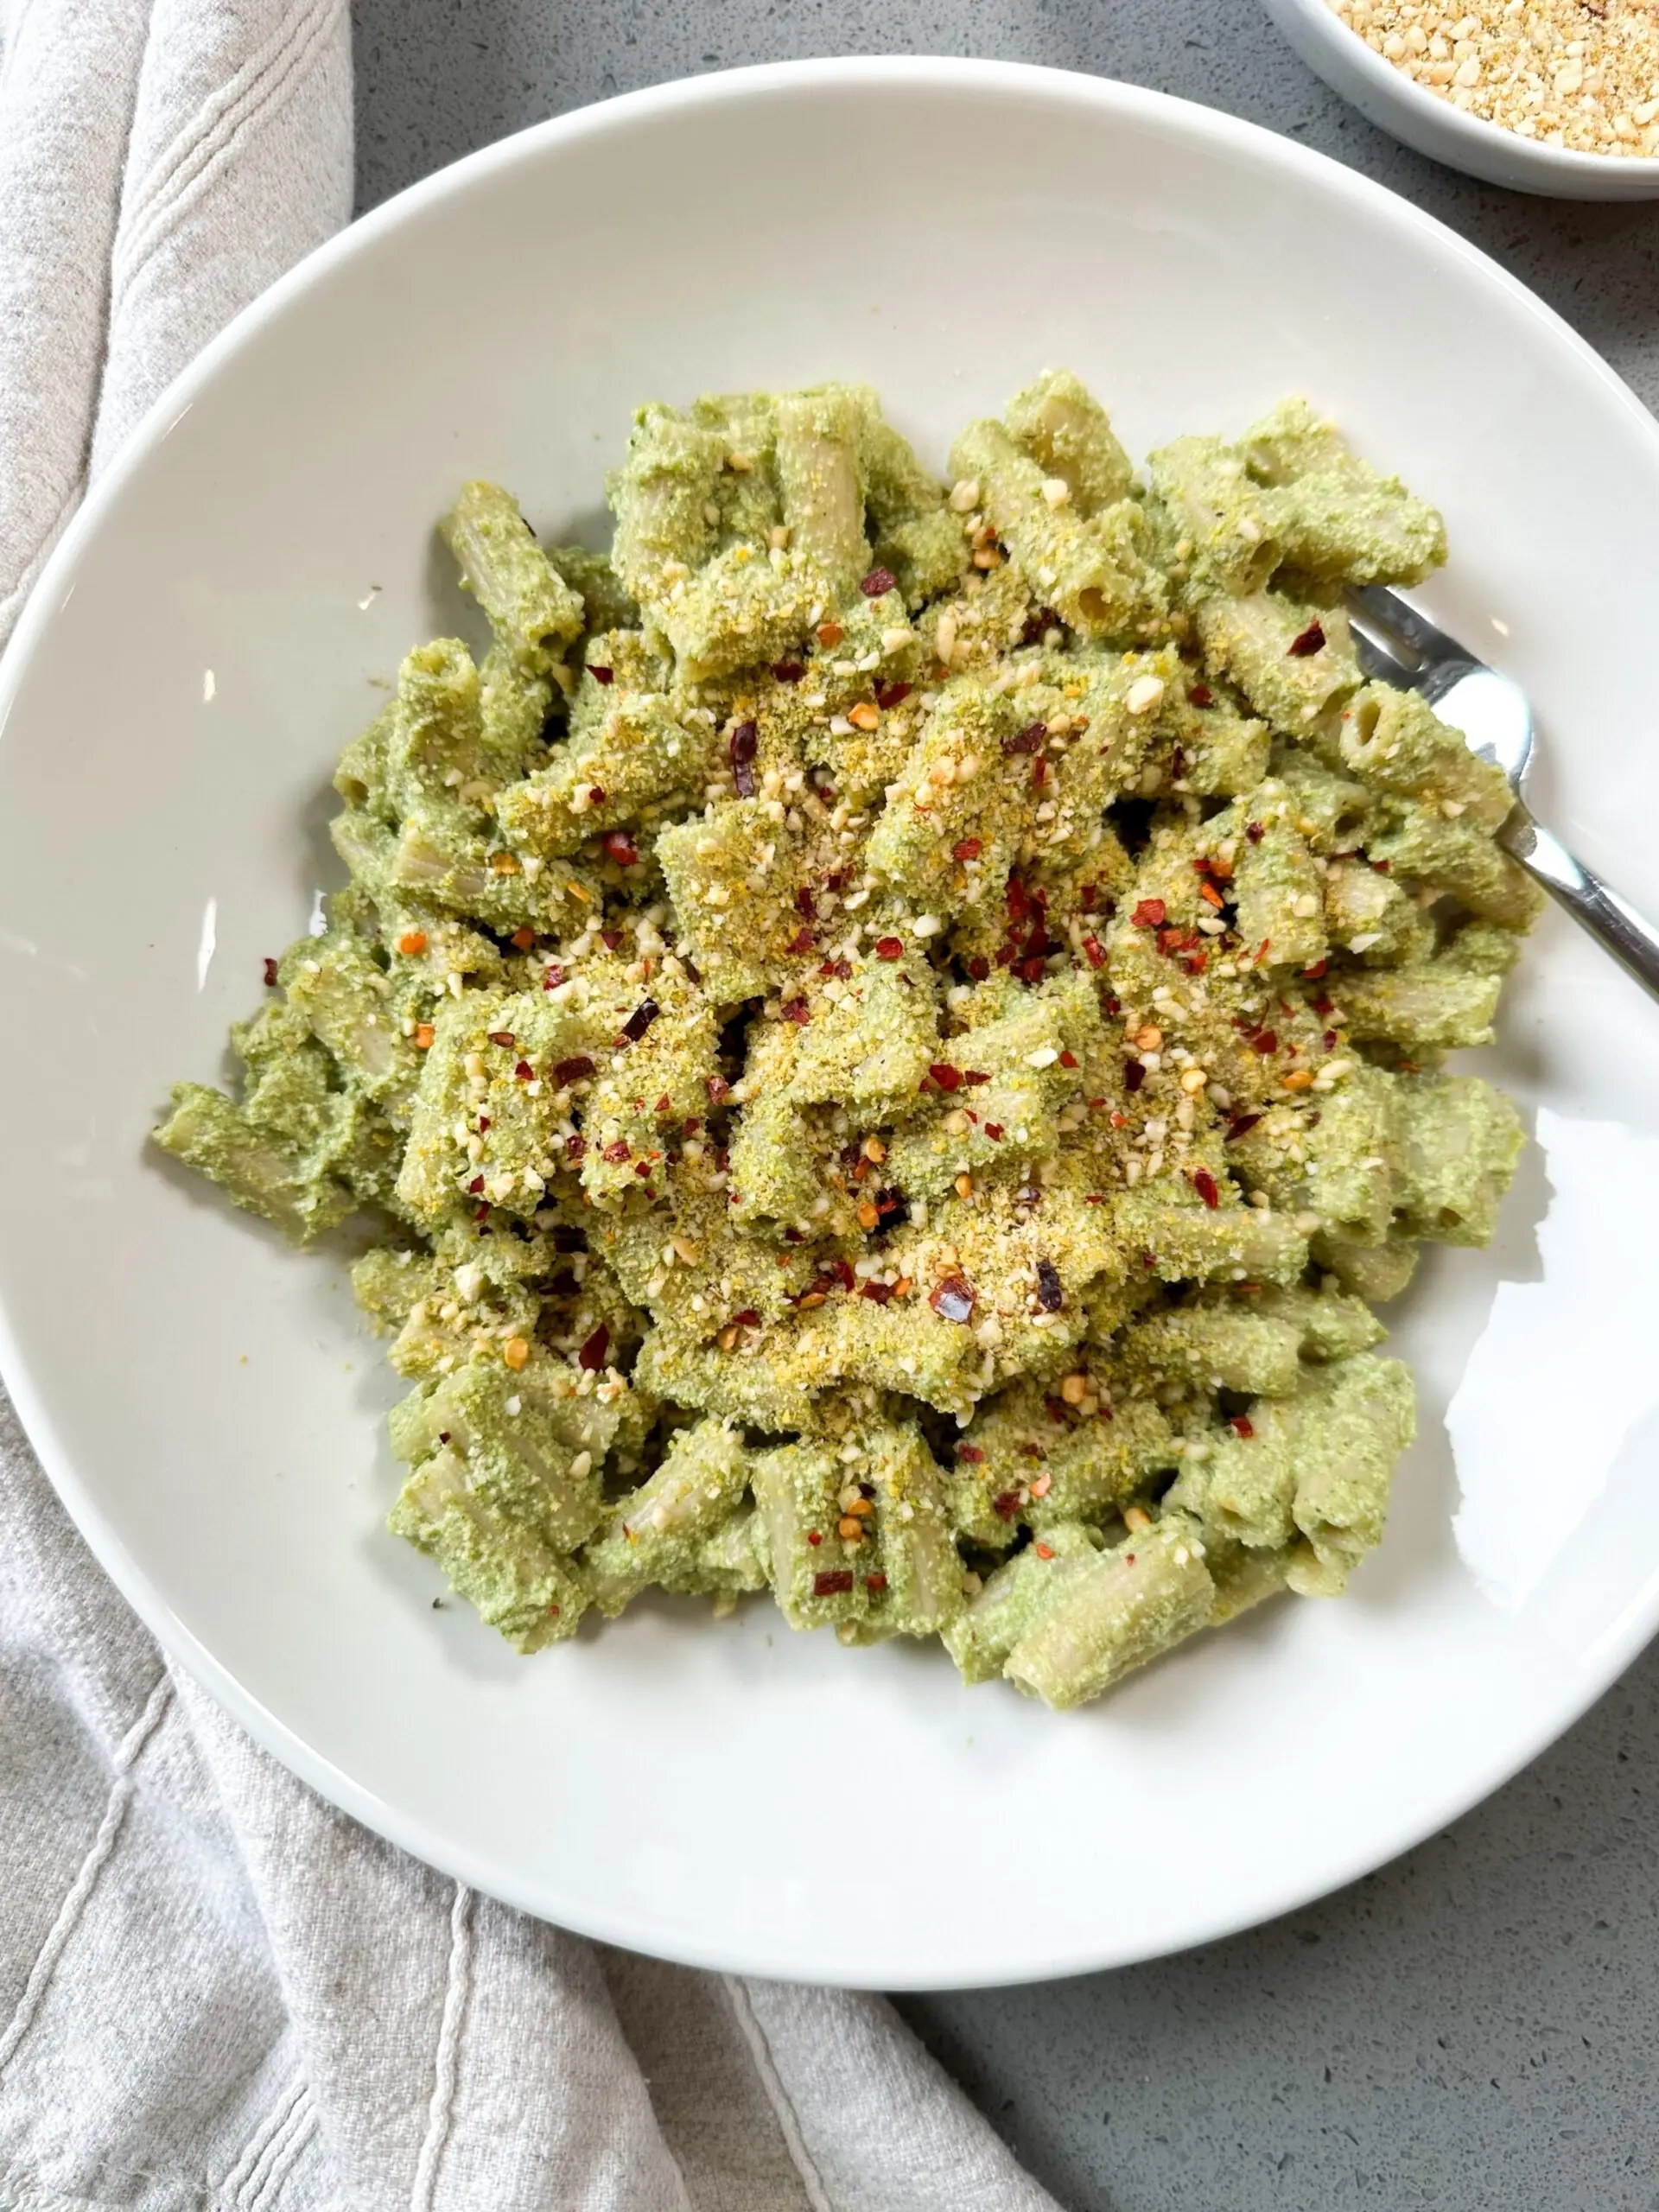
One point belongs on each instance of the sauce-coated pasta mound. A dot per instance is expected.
(894, 1031)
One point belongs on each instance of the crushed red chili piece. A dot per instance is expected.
(576, 1145)
(1068, 1059)
(595, 794)
(741, 747)
(798, 1012)
(1094, 951)
(945, 1076)
(877, 1293)
(789, 672)
(502, 1037)
(1254, 832)
(270, 972)
(572, 1070)
(889, 948)
(553, 976)
(1200, 695)
(1307, 642)
(974, 1077)
(523, 1070)
(1006, 1504)
(1205, 1183)
(967, 848)
(622, 850)
(1149, 914)
(1134, 1075)
(876, 1582)
(1031, 739)
(952, 1300)
(813, 1537)
(803, 941)
(1313, 973)
(639, 1020)
(1050, 1294)
(1240, 1125)
(971, 1452)
(748, 1319)
(877, 582)
(994, 1130)
(592, 1355)
(475, 1185)
(1265, 1041)
(1242, 1426)
(617, 1152)
(889, 695)
(979, 967)
(601, 675)
(805, 903)
(832, 1582)
(717, 1087)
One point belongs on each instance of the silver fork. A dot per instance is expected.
(1403, 647)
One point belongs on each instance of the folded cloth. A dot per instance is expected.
(215, 1991)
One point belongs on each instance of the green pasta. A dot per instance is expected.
(887, 1034)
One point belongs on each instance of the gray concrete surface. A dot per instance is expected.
(1475, 2028)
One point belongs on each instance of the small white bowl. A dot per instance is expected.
(1392, 101)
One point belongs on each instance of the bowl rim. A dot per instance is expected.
(1106, 98)
(1441, 117)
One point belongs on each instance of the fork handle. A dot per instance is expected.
(1619, 929)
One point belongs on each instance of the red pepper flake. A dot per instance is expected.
(889, 695)
(1134, 1075)
(1205, 1183)
(1200, 695)
(1094, 951)
(1039, 773)
(601, 675)
(572, 1070)
(622, 850)
(969, 849)
(1241, 1125)
(718, 1089)
(889, 948)
(592, 1355)
(877, 582)
(877, 1293)
(617, 1152)
(1068, 1059)
(748, 1319)
(1049, 1295)
(798, 1012)
(1031, 739)
(803, 941)
(1242, 1426)
(481, 1212)
(475, 1185)
(971, 1452)
(270, 972)
(974, 1077)
(994, 1130)
(945, 1076)
(742, 747)
(832, 1582)
(595, 794)
(502, 1037)
(1006, 1504)
(805, 905)
(841, 1271)
(1266, 1042)
(1312, 974)
(876, 1582)
(1308, 642)
(523, 1070)
(813, 1537)
(523, 939)
(553, 976)
(789, 672)
(639, 1021)
(1149, 914)
(1254, 832)
(952, 1300)
(979, 967)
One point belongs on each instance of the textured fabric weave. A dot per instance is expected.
(217, 1994)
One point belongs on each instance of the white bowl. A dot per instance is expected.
(207, 1400)
(1433, 126)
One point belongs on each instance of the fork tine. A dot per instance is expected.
(1376, 654)
(1398, 616)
